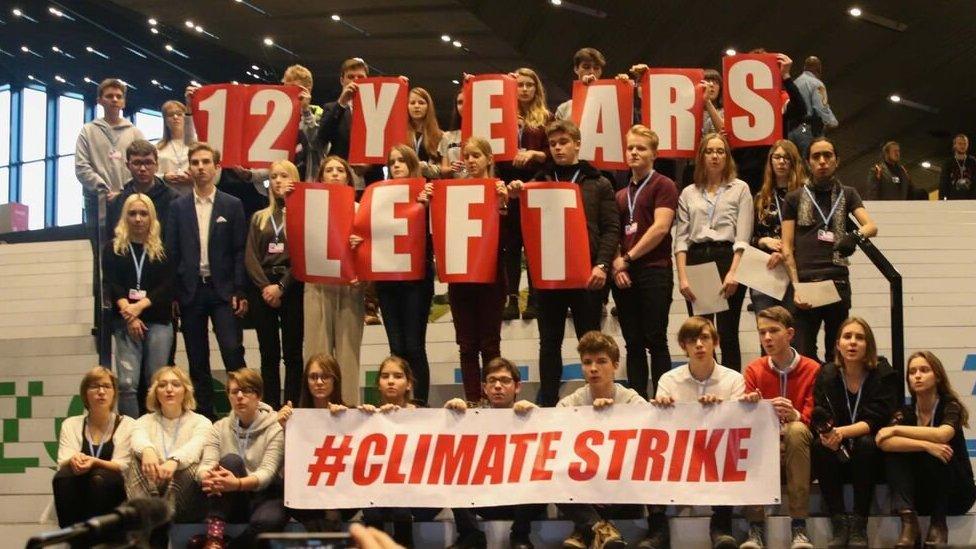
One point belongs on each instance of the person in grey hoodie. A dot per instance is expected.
(240, 471)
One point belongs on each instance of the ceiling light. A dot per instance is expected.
(198, 28)
(455, 81)
(168, 47)
(445, 38)
(335, 17)
(154, 82)
(17, 12)
(89, 80)
(92, 50)
(255, 67)
(154, 30)
(25, 49)
(894, 98)
(926, 164)
(268, 41)
(730, 52)
(194, 83)
(56, 12)
(556, 2)
(55, 49)
(457, 43)
(59, 79)
(153, 22)
(854, 12)
(189, 24)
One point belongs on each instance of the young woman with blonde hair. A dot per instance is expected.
(423, 132)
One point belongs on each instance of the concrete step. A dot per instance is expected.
(80, 268)
(39, 346)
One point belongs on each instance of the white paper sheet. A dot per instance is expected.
(752, 272)
(706, 284)
(817, 294)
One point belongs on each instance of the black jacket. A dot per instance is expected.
(600, 206)
(880, 395)
(160, 193)
(335, 127)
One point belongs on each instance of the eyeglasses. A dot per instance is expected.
(142, 163)
(316, 377)
(246, 391)
(104, 386)
(781, 157)
(505, 381)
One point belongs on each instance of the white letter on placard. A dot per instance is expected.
(384, 226)
(317, 262)
(663, 86)
(262, 150)
(459, 226)
(552, 204)
(376, 114)
(743, 96)
(483, 115)
(600, 125)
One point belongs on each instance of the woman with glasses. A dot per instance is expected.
(242, 458)
(139, 280)
(93, 450)
(178, 135)
(167, 444)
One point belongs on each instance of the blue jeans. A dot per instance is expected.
(406, 308)
(135, 358)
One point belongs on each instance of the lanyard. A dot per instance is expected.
(779, 209)
(96, 452)
(932, 417)
(847, 398)
(138, 264)
(242, 448)
(712, 206)
(826, 218)
(417, 141)
(277, 228)
(632, 201)
(521, 130)
(555, 176)
(162, 434)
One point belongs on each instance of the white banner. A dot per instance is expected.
(727, 454)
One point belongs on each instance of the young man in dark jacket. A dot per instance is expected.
(141, 157)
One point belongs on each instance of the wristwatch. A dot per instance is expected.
(603, 267)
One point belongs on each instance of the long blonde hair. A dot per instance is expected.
(262, 216)
(728, 173)
(765, 196)
(153, 244)
(537, 115)
(432, 130)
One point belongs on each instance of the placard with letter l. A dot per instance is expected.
(318, 218)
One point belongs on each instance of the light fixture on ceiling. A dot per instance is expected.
(189, 24)
(268, 41)
(61, 80)
(457, 43)
(894, 98)
(456, 82)
(154, 30)
(171, 49)
(93, 51)
(136, 52)
(234, 82)
(572, 6)
(904, 102)
(20, 13)
(926, 164)
(445, 38)
(730, 52)
(879, 20)
(59, 51)
(556, 2)
(153, 22)
(89, 81)
(58, 13)
(25, 49)
(33, 78)
(854, 11)
(127, 85)
(194, 83)
(335, 17)
(338, 19)
(251, 6)
(7, 53)
(255, 67)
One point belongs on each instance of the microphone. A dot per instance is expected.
(136, 515)
(823, 423)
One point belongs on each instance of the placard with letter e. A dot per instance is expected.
(464, 217)
(490, 111)
(251, 125)
(379, 119)
(393, 227)
(752, 99)
(603, 110)
(557, 246)
(319, 221)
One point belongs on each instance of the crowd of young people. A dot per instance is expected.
(210, 257)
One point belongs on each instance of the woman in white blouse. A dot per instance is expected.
(178, 135)
(167, 444)
(93, 452)
(714, 224)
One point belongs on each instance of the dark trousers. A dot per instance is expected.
(553, 305)
(807, 323)
(861, 471)
(922, 483)
(406, 309)
(477, 313)
(78, 498)
(643, 311)
(512, 250)
(466, 520)
(280, 335)
(726, 322)
(402, 519)
(206, 304)
(263, 511)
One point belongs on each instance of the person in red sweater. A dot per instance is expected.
(786, 378)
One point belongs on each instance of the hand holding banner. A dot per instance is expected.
(319, 222)
(752, 99)
(251, 125)
(490, 110)
(672, 107)
(603, 110)
(557, 247)
(379, 119)
(464, 217)
(392, 225)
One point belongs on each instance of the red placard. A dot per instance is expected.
(392, 225)
(752, 99)
(379, 119)
(490, 110)
(464, 217)
(603, 110)
(319, 222)
(251, 126)
(672, 106)
(557, 246)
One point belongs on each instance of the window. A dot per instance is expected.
(4, 185)
(32, 192)
(150, 123)
(33, 126)
(70, 202)
(4, 146)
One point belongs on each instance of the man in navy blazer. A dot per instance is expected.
(205, 237)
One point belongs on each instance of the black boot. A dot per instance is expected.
(511, 310)
(841, 531)
(859, 532)
(938, 535)
(909, 530)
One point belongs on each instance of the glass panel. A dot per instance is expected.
(33, 124)
(4, 185)
(70, 200)
(71, 116)
(32, 193)
(99, 111)
(4, 130)
(151, 124)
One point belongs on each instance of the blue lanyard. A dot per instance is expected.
(847, 398)
(176, 434)
(138, 264)
(278, 229)
(92, 449)
(632, 201)
(417, 141)
(932, 418)
(521, 129)
(779, 209)
(242, 448)
(712, 206)
(826, 218)
(555, 176)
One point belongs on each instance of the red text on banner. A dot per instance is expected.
(603, 110)
(752, 99)
(318, 219)
(392, 225)
(672, 106)
(464, 215)
(557, 247)
(490, 111)
(251, 126)
(379, 119)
